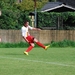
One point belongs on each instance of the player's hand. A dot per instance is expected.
(38, 29)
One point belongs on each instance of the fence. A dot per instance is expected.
(44, 36)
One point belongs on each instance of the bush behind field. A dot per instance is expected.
(13, 45)
(64, 43)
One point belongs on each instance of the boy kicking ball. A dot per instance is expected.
(30, 39)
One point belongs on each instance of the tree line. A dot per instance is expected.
(14, 13)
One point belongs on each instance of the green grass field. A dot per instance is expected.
(54, 61)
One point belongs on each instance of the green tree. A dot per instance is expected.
(11, 18)
(28, 5)
(52, 0)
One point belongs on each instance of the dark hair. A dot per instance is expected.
(25, 21)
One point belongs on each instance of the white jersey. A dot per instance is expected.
(24, 30)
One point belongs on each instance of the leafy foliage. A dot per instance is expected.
(11, 18)
(64, 43)
(15, 45)
(29, 5)
(46, 19)
(13, 15)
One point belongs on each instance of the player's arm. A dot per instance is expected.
(33, 28)
(25, 39)
(36, 28)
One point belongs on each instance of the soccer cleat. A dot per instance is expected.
(26, 53)
(46, 47)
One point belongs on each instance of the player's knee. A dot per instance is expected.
(35, 40)
(32, 45)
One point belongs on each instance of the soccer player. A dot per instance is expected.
(30, 39)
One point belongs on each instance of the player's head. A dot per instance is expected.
(26, 23)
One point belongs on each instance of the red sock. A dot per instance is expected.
(29, 48)
(40, 44)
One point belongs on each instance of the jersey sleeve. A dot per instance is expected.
(24, 31)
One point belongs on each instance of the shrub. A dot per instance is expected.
(15, 45)
(64, 43)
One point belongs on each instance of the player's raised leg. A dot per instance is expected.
(41, 45)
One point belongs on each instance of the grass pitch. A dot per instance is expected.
(54, 61)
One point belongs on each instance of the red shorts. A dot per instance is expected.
(30, 39)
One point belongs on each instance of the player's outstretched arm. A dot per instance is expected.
(36, 29)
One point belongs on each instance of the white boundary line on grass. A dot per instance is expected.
(53, 63)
